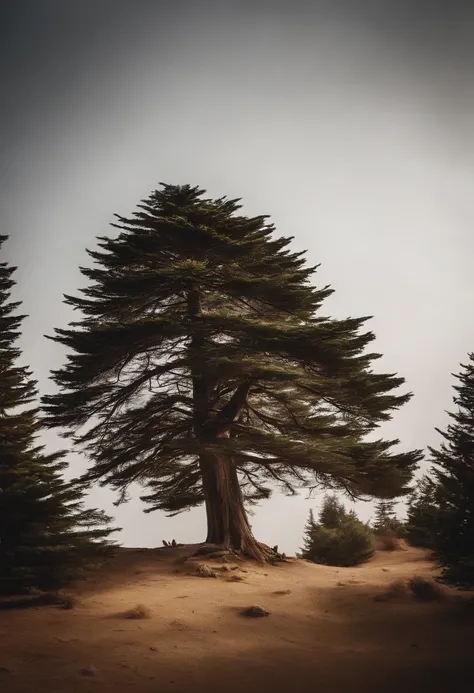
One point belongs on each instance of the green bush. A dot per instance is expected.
(347, 542)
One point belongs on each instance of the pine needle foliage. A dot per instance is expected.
(423, 514)
(309, 529)
(453, 479)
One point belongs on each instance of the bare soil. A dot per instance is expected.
(154, 622)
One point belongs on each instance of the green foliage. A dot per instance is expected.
(333, 513)
(422, 516)
(308, 534)
(453, 475)
(199, 335)
(339, 539)
(46, 534)
(386, 522)
(441, 510)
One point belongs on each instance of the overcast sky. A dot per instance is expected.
(351, 126)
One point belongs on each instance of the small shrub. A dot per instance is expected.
(138, 612)
(388, 542)
(426, 590)
(396, 590)
(348, 545)
(421, 588)
(339, 539)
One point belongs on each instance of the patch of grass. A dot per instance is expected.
(138, 612)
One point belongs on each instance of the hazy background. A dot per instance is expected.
(350, 123)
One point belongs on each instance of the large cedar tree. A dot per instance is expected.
(202, 367)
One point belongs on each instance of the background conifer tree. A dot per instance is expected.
(333, 512)
(47, 536)
(308, 534)
(386, 520)
(453, 492)
(423, 514)
(202, 368)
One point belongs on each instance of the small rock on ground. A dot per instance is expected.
(255, 612)
(88, 671)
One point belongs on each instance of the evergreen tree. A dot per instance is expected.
(202, 369)
(453, 477)
(422, 515)
(46, 534)
(338, 538)
(333, 513)
(308, 535)
(385, 520)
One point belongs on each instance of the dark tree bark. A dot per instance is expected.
(227, 523)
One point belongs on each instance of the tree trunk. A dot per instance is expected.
(227, 523)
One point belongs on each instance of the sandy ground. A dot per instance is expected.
(326, 631)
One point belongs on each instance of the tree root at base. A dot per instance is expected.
(260, 553)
